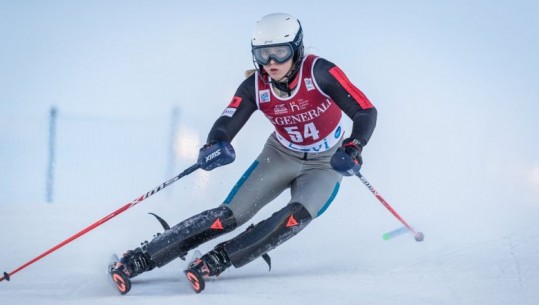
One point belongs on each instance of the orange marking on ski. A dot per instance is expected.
(193, 280)
(119, 281)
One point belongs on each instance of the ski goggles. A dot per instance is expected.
(280, 53)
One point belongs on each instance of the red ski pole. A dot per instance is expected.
(186, 172)
(419, 236)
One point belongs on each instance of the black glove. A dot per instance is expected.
(347, 159)
(215, 154)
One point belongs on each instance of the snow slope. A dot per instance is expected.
(328, 263)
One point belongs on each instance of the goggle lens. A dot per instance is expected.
(281, 54)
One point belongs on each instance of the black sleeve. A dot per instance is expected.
(333, 82)
(243, 105)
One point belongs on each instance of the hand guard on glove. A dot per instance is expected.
(347, 159)
(215, 154)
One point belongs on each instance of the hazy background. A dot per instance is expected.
(455, 84)
(138, 84)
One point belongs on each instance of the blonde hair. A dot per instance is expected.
(249, 72)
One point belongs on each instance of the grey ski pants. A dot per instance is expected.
(309, 176)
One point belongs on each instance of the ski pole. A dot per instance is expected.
(186, 172)
(419, 236)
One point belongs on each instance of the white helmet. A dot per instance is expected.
(277, 30)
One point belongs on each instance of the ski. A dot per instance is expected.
(193, 276)
(118, 280)
(195, 279)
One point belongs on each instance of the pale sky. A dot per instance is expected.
(455, 83)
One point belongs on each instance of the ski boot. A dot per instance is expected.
(132, 263)
(210, 264)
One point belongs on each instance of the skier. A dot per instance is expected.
(304, 97)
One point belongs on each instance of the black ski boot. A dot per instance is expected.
(132, 263)
(210, 264)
